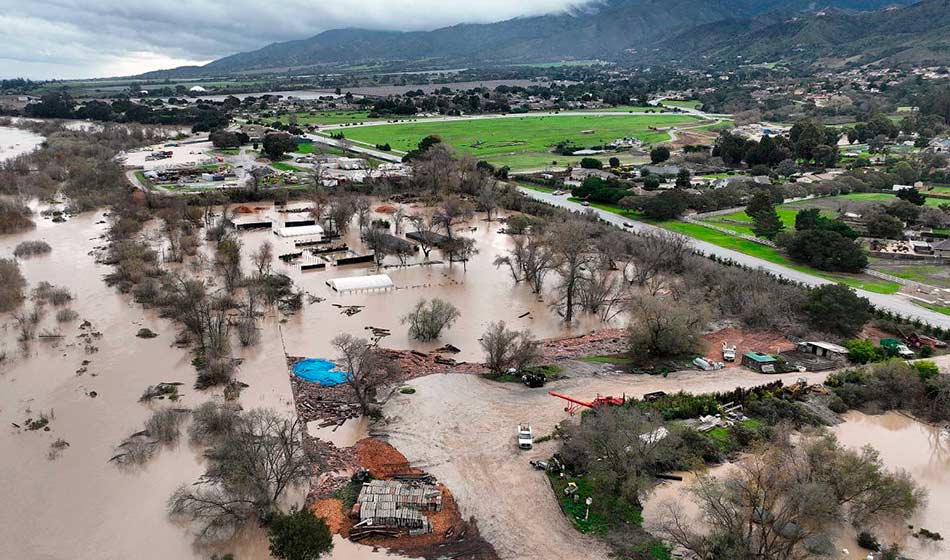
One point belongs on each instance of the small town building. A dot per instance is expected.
(359, 283)
(942, 249)
(757, 361)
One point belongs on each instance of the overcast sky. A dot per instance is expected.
(97, 38)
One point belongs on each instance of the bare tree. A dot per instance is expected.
(250, 467)
(366, 368)
(228, 261)
(425, 225)
(263, 258)
(487, 200)
(621, 450)
(661, 328)
(460, 249)
(571, 250)
(428, 319)
(451, 212)
(319, 203)
(784, 500)
(341, 211)
(508, 349)
(363, 205)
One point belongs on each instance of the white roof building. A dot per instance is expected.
(300, 231)
(356, 283)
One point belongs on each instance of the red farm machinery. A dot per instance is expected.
(573, 405)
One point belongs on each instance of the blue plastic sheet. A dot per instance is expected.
(318, 370)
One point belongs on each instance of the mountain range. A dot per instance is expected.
(628, 31)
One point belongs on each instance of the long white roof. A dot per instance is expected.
(370, 282)
(300, 231)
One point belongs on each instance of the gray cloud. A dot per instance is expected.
(93, 38)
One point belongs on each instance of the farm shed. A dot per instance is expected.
(757, 361)
(300, 231)
(825, 349)
(357, 283)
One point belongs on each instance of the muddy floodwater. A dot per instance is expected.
(72, 502)
(923, 451)
(15, 142)
(481, 292)
(904, 443)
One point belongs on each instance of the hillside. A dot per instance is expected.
(608, 29)
(919, 33)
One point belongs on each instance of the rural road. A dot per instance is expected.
(895, 303)
(353, 147)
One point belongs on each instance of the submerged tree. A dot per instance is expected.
(428, 319)
(250, 467)
(785, 501)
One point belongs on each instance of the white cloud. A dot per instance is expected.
(92, 38)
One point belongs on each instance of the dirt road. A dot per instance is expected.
(461, 428)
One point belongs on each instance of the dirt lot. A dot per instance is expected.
(461, 429)
(746, 341)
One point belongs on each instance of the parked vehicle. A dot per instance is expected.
(728, 352)
(896, 348)
(525, 436)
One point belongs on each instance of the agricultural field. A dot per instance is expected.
(522, 142)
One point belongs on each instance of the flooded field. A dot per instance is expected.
(481, 292)
(89, 385)
(15, 142)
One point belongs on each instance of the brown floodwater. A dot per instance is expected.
(923, 451)
(78, 504)
(903, 442)
(16, 141)
(481, 292)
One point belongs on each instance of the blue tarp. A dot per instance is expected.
(318, 370)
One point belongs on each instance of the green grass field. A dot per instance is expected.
(286, 167)
(521, 142)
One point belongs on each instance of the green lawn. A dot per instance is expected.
(596, 522)
(522, 142)
(615, 360)
(286, 167)
(787, 215)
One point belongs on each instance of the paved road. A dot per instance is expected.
(896, 303)
(353, 147)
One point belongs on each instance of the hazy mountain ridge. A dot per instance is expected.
(610, 30)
